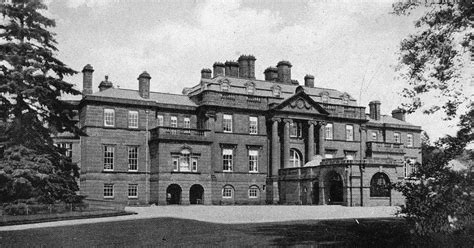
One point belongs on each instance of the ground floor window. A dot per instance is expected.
(133, 191)
(380, 185)
(253, 192)
(108, 190)
(227, 191)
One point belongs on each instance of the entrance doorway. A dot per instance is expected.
(315, 193)
(196, 193)
(335, 188)
(173, 194)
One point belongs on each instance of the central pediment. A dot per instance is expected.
(301, 103)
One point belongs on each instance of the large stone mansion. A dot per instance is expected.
(235, 139)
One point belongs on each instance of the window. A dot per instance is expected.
(253, 125)
(161, 121)
(132, 158)
(109, 157)
(227, 124)
(133, 119)
(253, 192)
(295, 160)
(133, 191)
(396, 137)
(67, 149)
(225, 87)
(250, 89)
(329, 131)
(174, 121)
(227, 159)
(325, 98)
(108, 190)
(253, 160)
(227, 191)
(345, 100)
(380, 185)
(409, 140)
(409, 167)
(349, 132)
(330, 154)
(184, 161)
(374, 136)
(187, 125)
(276, 91)
(109, 117)
(350, 155)
(296, 129)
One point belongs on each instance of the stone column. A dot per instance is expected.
(321, 126)
(363, 141)
(286, 143)
(311, 125)
(275, 148)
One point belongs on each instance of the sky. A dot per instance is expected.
(347, 45)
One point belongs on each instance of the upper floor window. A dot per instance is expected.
(396, 137)
(253, 160)
(109, 117)
(374, 136)
(161, 120)
(225, 87)
(67, 146)
(109, 157)
(184, 161)
(187, 122)
(133, 119)
(325, 97)
(345, 100)
(250, 88)
(409, 140)
(227, 123)
(329, 129)
(296, 130)
(227, 159)
(295, 158)
(174, 121)
(349, 132)
(330, 153)
(276, 91)
(409, 167)
(132, 158)
(253, 125)
(350, 155)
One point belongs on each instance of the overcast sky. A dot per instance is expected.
(347, 45)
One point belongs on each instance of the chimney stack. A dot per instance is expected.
(309, 81)
(399, 114)
(87, 79)
(284, 72)
(144, 85)
(251, 66)
(243, 66)
(206, 73)
(271, 74)
(231, 69)
(106, 84)
(374, 107)
(218, 69)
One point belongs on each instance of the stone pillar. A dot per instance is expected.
(363, 141)
(275, 160)
(310, 144)
(321, 126)
(286, 143)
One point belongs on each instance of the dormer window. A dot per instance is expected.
(250, 88)
(345, 99)
(325, 97)
(225, 86)
(276, 90)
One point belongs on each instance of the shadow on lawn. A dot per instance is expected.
(355, 233)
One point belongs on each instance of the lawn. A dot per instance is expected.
(180, 232)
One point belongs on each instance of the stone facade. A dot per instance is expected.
(233, 139)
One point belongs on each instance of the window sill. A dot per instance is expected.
(108, 197)
(132, 171)
(185, 172)
(133, 197)
(380, 197)
(107, 171)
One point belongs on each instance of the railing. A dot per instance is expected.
(343, 161)
(384, 147)
(177, 133)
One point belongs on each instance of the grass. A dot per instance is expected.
(180, 232)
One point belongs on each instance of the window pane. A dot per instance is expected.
(109, 157)
(174, 121)
(410, 140)
(253, 192)
(194, 164)
(227, 123)
(109, 117)
(329, 131)
(133, 158)
(108, 190)
(253, 160)
(133, 119)
(132, 191)
(349, 133)
(227, 159)
(160, 120)
(175, 161)
(227, 192)
(253, 125)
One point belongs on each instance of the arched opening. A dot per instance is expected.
(173, 194)
(335, 185)
(196, 194)
(380, 185)
(315, 194)
(295, 158)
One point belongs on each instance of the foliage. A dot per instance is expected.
(432, 60)
(31, 84)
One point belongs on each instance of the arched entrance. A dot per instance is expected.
(335, 186)
(173, 194)
(315, 193)
(196, 194)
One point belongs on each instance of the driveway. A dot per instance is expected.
(232, 214)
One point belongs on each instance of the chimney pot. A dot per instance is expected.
(106, 84)
(206, 73)
(284, 72)
(271, 74)
(243, 66)
(374, 108)
(399, 114)
(87, 79)
(309, 81)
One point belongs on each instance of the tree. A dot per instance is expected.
(433, 60)
(31, 84)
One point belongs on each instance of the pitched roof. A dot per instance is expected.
(387, 119)
(164, 98)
